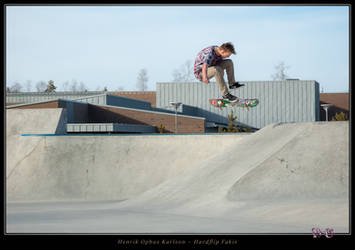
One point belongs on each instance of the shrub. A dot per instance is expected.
(340, 117)
(161, 128)
(221, 129)
(233, 126)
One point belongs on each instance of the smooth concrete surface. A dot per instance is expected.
(35, 121)
(104, 167)
(53, 168)
(285, 178)
(303, 180)
(107, 217)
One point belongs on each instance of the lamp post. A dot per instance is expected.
(325, 107)
(176, 105)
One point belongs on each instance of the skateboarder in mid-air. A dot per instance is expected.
(210, 62)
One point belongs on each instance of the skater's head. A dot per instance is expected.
(226, 50)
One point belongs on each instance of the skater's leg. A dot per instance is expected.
(227, 65)
(217, 72)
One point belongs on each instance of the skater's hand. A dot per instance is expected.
(204, 73)
(205, 80)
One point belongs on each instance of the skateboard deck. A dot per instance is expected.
(241, 102)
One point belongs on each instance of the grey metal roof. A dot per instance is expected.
(107, 100)
(35, 97)
(95, 98)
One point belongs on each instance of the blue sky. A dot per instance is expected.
(108, 45)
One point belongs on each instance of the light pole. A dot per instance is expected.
(176, 105)
(325, 107)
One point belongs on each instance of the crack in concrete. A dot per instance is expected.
(26, 156)
(87, 184)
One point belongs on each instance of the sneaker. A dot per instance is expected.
(235, 85)
(230, 97)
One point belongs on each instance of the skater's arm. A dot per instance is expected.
(204, 73)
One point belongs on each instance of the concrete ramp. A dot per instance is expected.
(295, 160)
(313, 165)
(290, 173)
(29, 121)
(35, 121)
(104, 167)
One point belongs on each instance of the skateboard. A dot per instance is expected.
(241, 102)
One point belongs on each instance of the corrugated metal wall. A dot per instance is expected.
(280, 101)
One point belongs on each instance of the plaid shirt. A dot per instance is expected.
(207, 55)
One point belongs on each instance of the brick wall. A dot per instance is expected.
(112, 114)
(340, 103)
(45, 105)
(341, 100)
(13, 103)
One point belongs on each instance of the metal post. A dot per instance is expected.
(176, 121)
(176, 105)
(325, 107)
(326, 113)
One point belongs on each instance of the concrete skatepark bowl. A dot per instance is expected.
(284, 178)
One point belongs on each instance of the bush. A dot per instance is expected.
(340, 117)
(233, 126)
(221, 129)
(161, 128)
